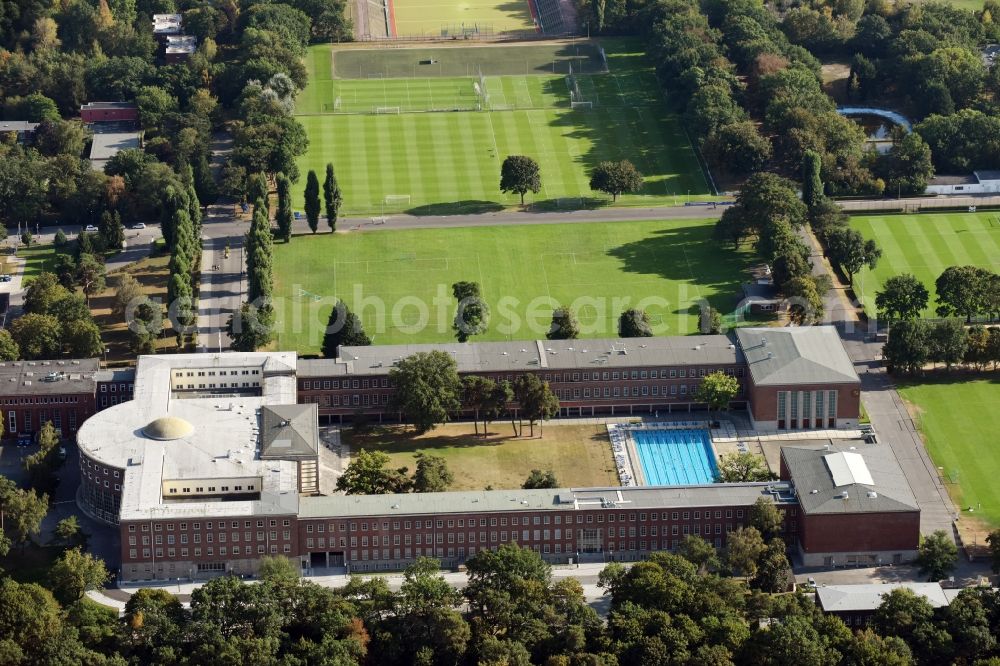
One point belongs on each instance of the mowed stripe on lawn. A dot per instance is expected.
(925, 245)
(960, 422)
(615, 265)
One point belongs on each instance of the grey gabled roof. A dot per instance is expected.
(796, 355)
(869, 596)
(594, 354)
(289, 431)
(813, 475)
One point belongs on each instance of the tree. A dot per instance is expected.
(312, 201)
(76, 572)
(90, 275)
(473, 314)
(994, 541)
(69, 532)
(763, 199)
(773, 571)
(536, 400)
(519, 175)
(806, 302)
(936, 556)
(146, 326)
(42, 293)
(847, 248)
(961, 291)
(743, 468)
(948, 342)
(717, 390)
(615, 178)
(432, 474)
(332, 197)
(128, 292)
(907, 167)
(22, 512)
(82, 338)
(277, 568)
(37, 335)
(9, 349)
(369, 474)
(698, 552)
(766, 518)
(564, 325)
(738, 148)
(251, 327)
(539, 479)
(744, 548)
(111, 230)
(908, 348)
(487, 397)
(812, 184)
(901, 297)
(870, 649)
(343, 329)
(634, 323)
(427, 388)
(26, 238)
(284, 214)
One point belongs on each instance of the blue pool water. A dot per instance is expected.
(675, 457)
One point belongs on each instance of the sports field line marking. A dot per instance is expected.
(493, 134)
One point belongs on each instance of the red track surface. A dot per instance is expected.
(534, 15)
(392, 18)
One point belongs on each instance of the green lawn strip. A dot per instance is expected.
(602, 267)
(960, 422)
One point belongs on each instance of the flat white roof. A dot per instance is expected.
(848, 468)
(222, 444)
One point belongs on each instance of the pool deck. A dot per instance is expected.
(730, 437)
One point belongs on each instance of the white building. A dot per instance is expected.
(978, 182)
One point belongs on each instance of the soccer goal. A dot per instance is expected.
(397, 199)
(582, 106)
(382, 110)
(335, 107)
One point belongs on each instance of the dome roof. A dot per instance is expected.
(167, 428)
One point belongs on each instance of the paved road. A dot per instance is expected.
(885, 408)
(222, 281)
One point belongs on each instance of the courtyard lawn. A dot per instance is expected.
(399, 281)
(960, 421)
(38, 259)
(410, 138)
(580, 455)
(925, 244)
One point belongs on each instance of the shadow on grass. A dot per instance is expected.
(467, 207)
(688, 254)
(942, 377)
(579, 203)
(403, 439)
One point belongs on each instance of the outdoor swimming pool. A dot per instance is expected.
(675, 457)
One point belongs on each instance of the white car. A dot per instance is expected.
(90, 227)
(139, 225)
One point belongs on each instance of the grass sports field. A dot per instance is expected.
(406, 136)
(925, 244)
(579, 455)
(960, 422)
(393, 279)
(442, 18)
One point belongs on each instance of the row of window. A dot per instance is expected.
(345, 384)
(124, 388)
(213, 373)
(169, 527)
(43, 416)
(221, 537)
(635, 391)
(672, 373)
(43, 400)
(223, 489)
(224, 551)
(545, 519)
